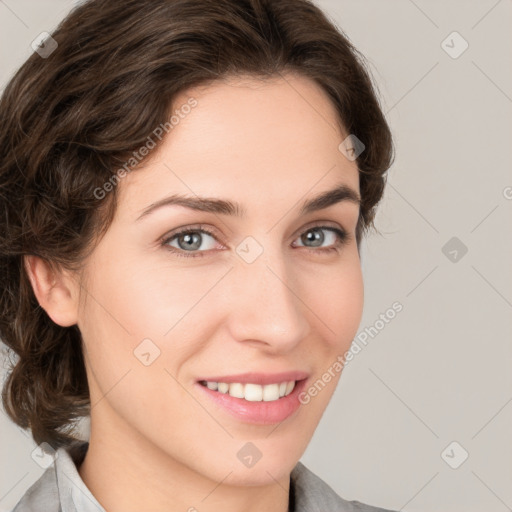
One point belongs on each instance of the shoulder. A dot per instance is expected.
(312, 494)
(60, 486)
(42, 495)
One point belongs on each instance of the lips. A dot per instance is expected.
(257, 398)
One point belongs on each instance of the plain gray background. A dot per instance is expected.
(439, 371)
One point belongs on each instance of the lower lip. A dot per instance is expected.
(260, 413)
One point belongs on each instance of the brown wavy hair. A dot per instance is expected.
(70, 119)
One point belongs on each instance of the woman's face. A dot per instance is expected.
(266, 291)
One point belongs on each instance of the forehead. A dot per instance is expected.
(248, 139)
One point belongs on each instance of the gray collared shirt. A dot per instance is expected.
(61, 489)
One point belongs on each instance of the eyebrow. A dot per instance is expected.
(224, 207)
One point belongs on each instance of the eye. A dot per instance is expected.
(314, 235)
(188, 239)
(191, 239)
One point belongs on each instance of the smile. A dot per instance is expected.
(255, 397)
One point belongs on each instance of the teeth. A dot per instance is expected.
(223, 387)
(271, 392)
(253, 392)
(236, 390)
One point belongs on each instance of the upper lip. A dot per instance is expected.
(259, 378)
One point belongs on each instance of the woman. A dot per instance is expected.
(185, 187)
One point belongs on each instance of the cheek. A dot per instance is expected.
(336, 297)
(148, 297)
(137, 327)
(140, 313)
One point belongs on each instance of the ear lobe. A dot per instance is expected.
(54, 291)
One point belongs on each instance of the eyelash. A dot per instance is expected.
(342, 235)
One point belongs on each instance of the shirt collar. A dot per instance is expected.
(74, 494)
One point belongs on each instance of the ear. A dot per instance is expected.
(56, 291)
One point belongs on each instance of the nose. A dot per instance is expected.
(268, 308)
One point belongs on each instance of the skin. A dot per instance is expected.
(157, 443)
